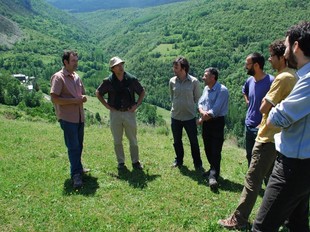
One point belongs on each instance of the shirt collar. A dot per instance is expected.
(67, 74)
(187, 78)
(303, 70)
(215, 86)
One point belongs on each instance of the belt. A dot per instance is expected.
(305, 162)
(124, 109)
(217, 118)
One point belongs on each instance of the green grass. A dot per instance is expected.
(166, 50)
(93, 105)
(36, 192)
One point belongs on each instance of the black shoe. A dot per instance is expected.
(77, 180)
(213, 184)
(206, 174)
(137, 165)
(199, 169)
(176, 164)
(121, 166)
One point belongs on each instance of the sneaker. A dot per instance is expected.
(121, 166)
(137, 165)
(234, 223)
(77, 180)
(213, 184)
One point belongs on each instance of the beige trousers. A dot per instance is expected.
(120, 122)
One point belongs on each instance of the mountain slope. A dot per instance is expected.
(212, 33)
(93, 5)
(33, 35)
(9, 32)
(208, 32)
(38, 16)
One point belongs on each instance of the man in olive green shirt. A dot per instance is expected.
(185, 93)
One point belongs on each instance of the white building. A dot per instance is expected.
(25, 80)
(21, 77)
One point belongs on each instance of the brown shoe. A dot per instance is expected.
(234, 223)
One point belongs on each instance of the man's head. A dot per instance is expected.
(254, 62)
(297, 44)
(180, 65)
(210, 76)
(276, 57)
(116, 64)
(70, 60)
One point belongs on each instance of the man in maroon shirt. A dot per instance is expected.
(68, 95)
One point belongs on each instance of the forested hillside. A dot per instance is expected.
(219, 33)
(209, 33)
(33, 35)
(93, 5)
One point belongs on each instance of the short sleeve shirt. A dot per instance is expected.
(279, 90)
(65, 85)
(121, 94)
(255, 91)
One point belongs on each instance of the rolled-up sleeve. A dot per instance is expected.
(295, 107)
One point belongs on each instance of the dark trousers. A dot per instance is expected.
(286, 197)
(213, 139)
(250, 136)
(74, 136)
(190, 127)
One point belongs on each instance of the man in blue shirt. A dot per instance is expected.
(254, 90)
(288, 191)
(213, 106)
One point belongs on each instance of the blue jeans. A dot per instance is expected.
(74, 136)
(190, 127)
(250, 136)
(286, 197)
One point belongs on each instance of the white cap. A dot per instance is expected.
(115, 61)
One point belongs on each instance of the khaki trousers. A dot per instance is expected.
(263, 157)
(120, 122)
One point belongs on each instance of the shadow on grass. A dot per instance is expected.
(193, 174)
(135, 178)
(227, 185)
(90, 186)
(201, 178)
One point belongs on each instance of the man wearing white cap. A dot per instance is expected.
(121, 88)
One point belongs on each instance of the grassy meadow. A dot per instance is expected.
(36, 192)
